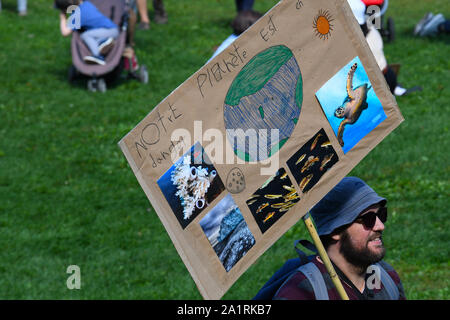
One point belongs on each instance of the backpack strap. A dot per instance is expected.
(310, 270)
(313, 274)
(388, 283)
(304, 259)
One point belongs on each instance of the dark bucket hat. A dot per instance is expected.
(343, 204)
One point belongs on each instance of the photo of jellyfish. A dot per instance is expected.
(227, 232)
(190, 185)
(312, 160)
(272, 200)
(351, 104)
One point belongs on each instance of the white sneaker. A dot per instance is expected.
(95, 59)
(106, 46)
(431, 27)
(428, 16)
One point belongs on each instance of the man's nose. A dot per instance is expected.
(379, 226)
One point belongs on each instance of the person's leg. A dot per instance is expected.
(143, 14)
(391, 78)
(431, 27)
(160, 12)
(444, 27)
(92, 38)
(131, 26)
(244, 5)
(89, 38)
(22, 7)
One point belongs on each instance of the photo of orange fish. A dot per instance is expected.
(305, 181)
(270, 215)
(312, 161)
(325, 161)
(313, 145)
(290, 197)
(272, 196)
(289, 188)
(300, 159)
(273, 199)
(261, 207)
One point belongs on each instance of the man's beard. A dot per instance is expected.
(361, 258)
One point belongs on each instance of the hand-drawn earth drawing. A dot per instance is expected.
(263, 104)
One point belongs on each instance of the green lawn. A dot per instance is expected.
(68, 196)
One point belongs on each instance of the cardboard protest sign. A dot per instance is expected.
(239, 152)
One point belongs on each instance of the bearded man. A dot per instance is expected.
(350, 222)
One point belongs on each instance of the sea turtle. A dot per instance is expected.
(353, 105)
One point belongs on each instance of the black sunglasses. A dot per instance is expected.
(369, 219)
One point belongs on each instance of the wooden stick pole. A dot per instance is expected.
(324, 256)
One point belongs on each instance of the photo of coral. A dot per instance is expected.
(272, 200)
(227, 231)
(312, 160)
(350, 104)
(191, 184)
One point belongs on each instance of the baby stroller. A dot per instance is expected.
(388, 31)
(119, 58)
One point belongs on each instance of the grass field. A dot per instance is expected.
(68, 196)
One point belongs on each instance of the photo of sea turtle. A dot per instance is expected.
(360, 110)
(263, 103)
(354, 104)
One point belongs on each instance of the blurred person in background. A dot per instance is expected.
(160, 13)
(432, 25)
(242, 5)
(243, 20)
(21, 7)
(375, 42)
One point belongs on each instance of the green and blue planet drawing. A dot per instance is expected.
(266, 95)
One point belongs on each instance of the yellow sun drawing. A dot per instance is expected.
(322, 24)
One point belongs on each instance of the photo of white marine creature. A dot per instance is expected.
(192, 184)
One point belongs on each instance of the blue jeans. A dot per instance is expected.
(92, 38)
(21, 5)
(244, 5)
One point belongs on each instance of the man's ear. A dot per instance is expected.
(336, 236)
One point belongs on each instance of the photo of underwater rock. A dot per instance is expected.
(312, 160)
(351, 104)
(273, 199)
(227, 231)
(191, 184)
